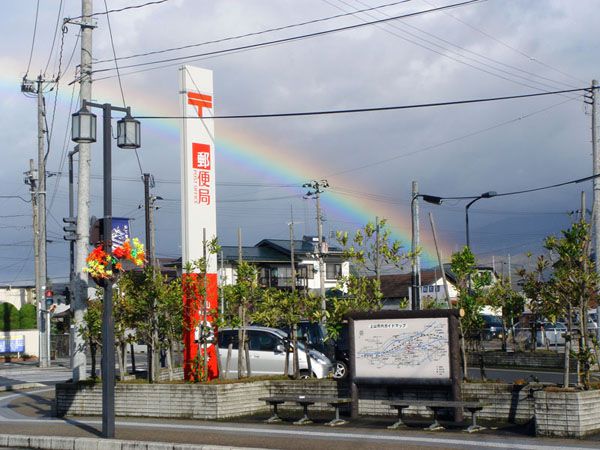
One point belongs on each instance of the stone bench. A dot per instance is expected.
(305, 401)
(436, 406)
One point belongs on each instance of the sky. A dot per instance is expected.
(485, 49)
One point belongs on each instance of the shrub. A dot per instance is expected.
(28, 317)
(9, 317)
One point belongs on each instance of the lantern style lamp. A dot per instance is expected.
(128, 132)
(83, 126)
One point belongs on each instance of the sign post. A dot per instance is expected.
(199, 218)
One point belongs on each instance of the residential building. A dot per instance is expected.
(272, 257)
(396, 288)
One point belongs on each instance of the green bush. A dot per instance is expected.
(28, 317)
(9, 317)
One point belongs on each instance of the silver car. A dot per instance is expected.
(267, 353)
(551, 334)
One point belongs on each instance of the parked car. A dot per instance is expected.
(267, 353)
(551, 334)
(492, 327)
(338, 350)
(341, 366)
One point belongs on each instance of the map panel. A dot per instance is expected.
(402, 348)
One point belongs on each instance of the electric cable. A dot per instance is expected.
(112, 44)
(446, 49)
(37, 12)
(372, 109)
(157, 2)
(177, 60)
(449, 141)
(56, 27)
(255, 33)
(510, 47)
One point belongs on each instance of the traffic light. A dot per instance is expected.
(49, 298)
(70, 229)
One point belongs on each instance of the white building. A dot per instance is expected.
(273, 259)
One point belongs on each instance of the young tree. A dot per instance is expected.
(536, 285)
(170, 317)
(502, 296)
(470, 287)
(371, 248)
(279, 308)
(574, 284)
(242, 296)
(91, 329)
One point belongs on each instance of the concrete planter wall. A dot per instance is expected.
(194, 401)
(506, 402)
(570, 414)
(539, 359)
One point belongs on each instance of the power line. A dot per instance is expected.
(458, 54)
(255, 33)
(449, 141)
(510, 47)
(60, 6)
(37, 12)
(157, 2)
(295, 38)
(372, 109)
(112, 44)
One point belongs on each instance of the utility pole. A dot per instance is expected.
(316, 188)
(592, 99)
(80, 284)
(31, 178)
(44, 339)
(292, 262)
(416, 260)
(377, 252)
(149, 216)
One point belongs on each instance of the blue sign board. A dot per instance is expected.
(12, 345)
(120, 231)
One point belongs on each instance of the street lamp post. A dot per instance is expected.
(416, 266)
(83, 131)
(488, 194)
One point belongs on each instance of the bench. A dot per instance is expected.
(436, 406)
(305, 401)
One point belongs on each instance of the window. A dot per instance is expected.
(262, 341)
(430, 288)
(424, 288)
(306, 272)
(228, 336)
(333, 271)
(437, 288)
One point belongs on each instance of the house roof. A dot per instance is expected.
(398, 285)
(253, 254)
(269, 251)
(301, 246)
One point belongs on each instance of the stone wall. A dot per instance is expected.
(539, 359)
(570, 414)
(505, 402)
(194, 401)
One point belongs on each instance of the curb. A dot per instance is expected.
(21, 386)
(73, 443)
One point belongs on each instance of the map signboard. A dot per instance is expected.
(402, 348)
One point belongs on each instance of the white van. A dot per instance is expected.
(267, 353)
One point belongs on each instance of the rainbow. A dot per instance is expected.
(256, 154)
